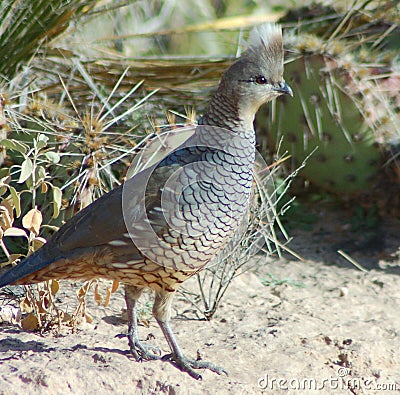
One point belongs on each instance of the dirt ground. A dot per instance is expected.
(320, 326)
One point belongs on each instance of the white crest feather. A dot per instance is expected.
(266, 50)
(264, 34)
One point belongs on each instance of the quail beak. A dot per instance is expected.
(284, 88)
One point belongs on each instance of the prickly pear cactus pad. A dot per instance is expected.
(324, 123)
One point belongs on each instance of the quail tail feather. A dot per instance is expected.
(32, 264)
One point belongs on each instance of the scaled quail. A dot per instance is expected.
(168, 221)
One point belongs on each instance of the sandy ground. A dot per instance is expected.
(320, 326)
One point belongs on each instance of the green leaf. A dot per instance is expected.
(29, 183)
(4, 181)
(14, 145)
(57, 195)
(4, 172)
(26, 170)
(16, 200)
(40, 173)
(41, 141)
(6, 178)
(53, 157)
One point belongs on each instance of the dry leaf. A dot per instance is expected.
(108, 296)
(8, 204)
(43, 187)
(5, 218)
(43, 304)
(26, 306)
(81, 294)
(37, 242)
(144, 320)
(89, 318)
(97, 297)
(66, 317)
(54, 286)
(32, 220)
(11, 259)
(10, 314)
(115, 286)
(16, 232)
(30, 323)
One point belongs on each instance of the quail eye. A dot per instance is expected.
(260, 80)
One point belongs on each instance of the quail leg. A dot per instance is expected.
(161, 311)
(139, 350)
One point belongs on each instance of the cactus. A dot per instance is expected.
(339, 119)
(376, 24)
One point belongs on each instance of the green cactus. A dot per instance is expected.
(325, 123)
